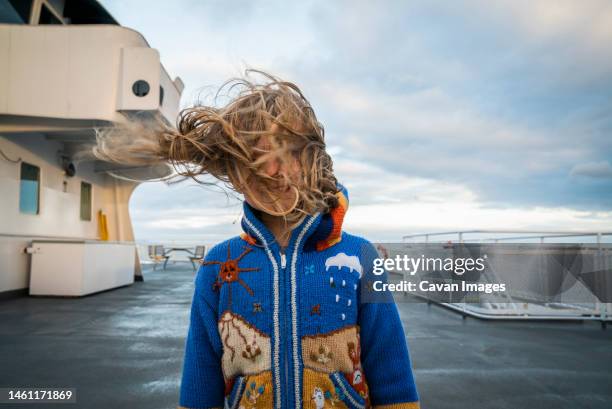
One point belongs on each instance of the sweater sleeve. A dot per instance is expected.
(384, 351)
(202, 384)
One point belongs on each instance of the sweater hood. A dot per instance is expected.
(321, 230)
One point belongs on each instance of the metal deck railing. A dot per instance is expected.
(522, 235)
(517, 305)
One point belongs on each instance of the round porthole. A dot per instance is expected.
(141, 88)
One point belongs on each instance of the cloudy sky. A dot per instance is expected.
(439, 115)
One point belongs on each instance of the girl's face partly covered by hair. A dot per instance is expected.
(279, 194)
(266, 143)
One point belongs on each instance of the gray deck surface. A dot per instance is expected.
(124, 349)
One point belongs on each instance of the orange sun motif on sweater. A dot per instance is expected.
(229, 273)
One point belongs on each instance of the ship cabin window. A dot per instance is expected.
(85, 201)
(29, 189)
(15, 11)
(54, 12)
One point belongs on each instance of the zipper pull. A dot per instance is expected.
(283, 260)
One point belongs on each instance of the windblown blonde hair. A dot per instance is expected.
(221, 141)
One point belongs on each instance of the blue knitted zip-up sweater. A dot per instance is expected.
(289, 330)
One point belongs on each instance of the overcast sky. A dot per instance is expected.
(439, 115)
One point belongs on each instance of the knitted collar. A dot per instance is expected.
(322, 230)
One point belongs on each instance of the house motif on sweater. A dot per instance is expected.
(273, 330)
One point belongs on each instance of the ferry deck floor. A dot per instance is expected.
(124, 349)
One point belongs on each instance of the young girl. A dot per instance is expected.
(277, 318)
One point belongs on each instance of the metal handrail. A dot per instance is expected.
(603, 308)
(526, 234)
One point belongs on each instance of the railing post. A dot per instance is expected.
(599, 240)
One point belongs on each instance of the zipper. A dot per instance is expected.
(285, 360)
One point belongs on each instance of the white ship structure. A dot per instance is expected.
(68, 68)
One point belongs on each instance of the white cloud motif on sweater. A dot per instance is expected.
(342, 260)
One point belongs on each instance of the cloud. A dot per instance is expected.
(598, 170)
(459, 113)
(389, 222)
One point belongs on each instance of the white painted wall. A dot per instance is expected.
(59, 211)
